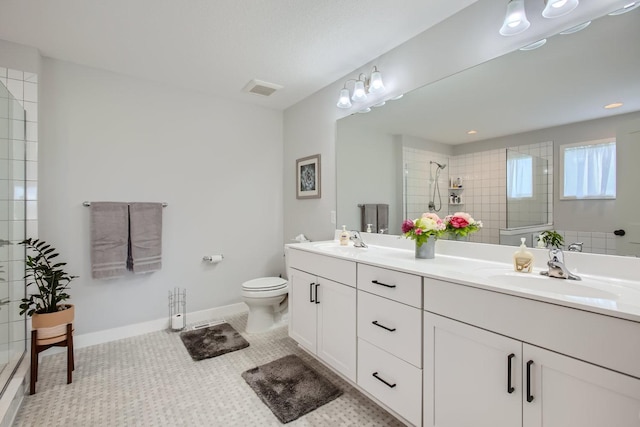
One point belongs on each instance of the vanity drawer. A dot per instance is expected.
(397, 328)
(402, 287)
(402, 392)
(328, 267)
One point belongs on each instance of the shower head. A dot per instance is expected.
(439, 165)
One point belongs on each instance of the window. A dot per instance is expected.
(519, 176)
(588, 170)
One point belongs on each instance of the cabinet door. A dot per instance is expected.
(302, 319)
(567, 392)
(467, 382)
(337, 326)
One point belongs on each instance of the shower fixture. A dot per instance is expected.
(436, 188)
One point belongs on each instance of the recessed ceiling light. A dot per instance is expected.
(576, 28)
(472, 132)
(395, 98)
(379, 104)
(534, 45)
(613, 105)
(629, 7)
(366, 110)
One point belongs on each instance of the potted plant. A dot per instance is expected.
(552, 238)
(460, 225)
(52, 282)
(425, 231)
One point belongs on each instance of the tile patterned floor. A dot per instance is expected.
(151, 380)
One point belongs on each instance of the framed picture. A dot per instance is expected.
(308, 177)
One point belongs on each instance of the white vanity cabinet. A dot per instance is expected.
(477, 377)
(390, 339)
(322, 309)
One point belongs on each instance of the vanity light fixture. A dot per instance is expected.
(361, 87)
(627, 8)
(556, 8)
(613, 105)
(516, 20)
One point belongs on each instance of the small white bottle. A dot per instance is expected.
(523, 259)
(344, 236)
(369, 228)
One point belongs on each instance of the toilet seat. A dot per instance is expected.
(264, 284)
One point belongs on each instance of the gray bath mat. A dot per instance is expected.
(290, 388)
(212, 341)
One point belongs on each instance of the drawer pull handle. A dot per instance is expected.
(375, 374)
(311, 292)
(317, 299)
(529, 395)
(375, 322)
(383, 284)
(510, 388)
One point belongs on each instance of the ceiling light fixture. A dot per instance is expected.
(515, 21)
(472, 132)
(361, 87)
(556, 8)
(613, 105)
(627, 8)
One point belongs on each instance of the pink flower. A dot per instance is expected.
(418, 231)
(407, 226)
(458, 222)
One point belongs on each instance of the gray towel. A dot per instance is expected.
(109, 239)
(145, 234)
(369, 216)
(383, 218)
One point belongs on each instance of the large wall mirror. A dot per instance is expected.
(445, 146)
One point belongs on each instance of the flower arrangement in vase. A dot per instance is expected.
(461, 224)
(425, 231)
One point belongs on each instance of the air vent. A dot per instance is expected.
(260, 87)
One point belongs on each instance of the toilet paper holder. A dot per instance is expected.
(177, 309)
(213, 258)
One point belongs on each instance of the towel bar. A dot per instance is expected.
(164, 204)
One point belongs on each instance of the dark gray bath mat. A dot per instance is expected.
(290, 388)
(212, 341)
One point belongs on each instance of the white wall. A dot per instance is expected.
(218, 165)
(464, 40)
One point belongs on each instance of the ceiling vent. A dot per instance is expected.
(260, 87)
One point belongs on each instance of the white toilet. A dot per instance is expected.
(267, 300)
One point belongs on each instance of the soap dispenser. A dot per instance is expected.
(523, 259)
(344, 236)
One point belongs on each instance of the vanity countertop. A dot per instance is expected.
(613, 296)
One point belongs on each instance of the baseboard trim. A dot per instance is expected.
(108, 335)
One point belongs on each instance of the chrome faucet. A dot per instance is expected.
(382, 231)
(557, 268)
(357, 240)
(575, 247)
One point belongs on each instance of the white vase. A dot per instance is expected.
(427, 250)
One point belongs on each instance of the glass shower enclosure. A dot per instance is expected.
(12, 231)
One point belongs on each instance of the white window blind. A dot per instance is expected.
(589, 170)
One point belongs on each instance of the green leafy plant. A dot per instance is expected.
(48, 276)
(552, 238)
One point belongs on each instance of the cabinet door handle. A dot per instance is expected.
(510, 388)
(317, 299)
(375, 374)
(529, 395)
(375, 322)
(383, 284)
(311, 292)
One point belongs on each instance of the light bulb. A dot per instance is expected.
(556, 8)
(359, 93)
(515, 21)
(344, 101)
(376, 85)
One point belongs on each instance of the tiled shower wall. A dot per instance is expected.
(484, 183)
(18, 201)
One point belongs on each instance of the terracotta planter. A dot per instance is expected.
(52, 327)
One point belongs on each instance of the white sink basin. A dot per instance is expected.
(586, 288)
(337, 249)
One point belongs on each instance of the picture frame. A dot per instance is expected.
(308, 177)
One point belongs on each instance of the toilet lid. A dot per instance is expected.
(265, 284)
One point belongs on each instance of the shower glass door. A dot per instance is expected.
(12, 231)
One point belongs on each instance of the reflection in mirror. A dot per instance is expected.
(531, 102)
(527, 190)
